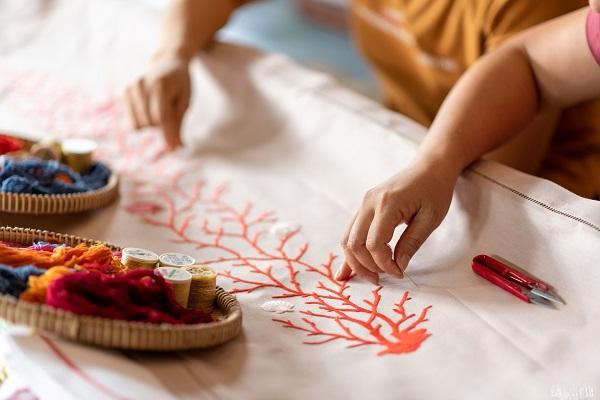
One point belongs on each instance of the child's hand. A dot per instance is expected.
(161, 97)
(419, 197)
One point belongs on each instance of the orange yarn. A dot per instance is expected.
(97, 257)
(37, 285)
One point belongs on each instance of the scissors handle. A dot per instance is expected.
(498, 280)
(510, 273)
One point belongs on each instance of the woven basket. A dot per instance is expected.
(21, 203)
(117, 333)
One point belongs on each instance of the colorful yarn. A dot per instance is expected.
(37, 286)
(13, 281)
(95, 258)
(13, 244)
(138, 295)
(9, 144)
(37, 176)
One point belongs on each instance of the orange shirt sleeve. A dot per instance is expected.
(239, 3)
(506, 18)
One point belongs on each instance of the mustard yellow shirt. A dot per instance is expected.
(419, 49)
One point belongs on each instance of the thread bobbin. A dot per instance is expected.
(203, 287)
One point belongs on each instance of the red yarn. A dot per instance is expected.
(138, 295)
(9, 143)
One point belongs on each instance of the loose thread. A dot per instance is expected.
(97, 258)
(35, 176)
(13, 281)
(138, 295)
(37, 286)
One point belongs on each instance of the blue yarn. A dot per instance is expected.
(36, 176)
(96, 176)
(13, 281)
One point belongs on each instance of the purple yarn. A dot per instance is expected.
(13, 281)
(36, 176)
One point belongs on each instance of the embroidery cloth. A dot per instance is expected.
(268, 141)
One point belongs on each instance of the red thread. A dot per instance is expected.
(138, 295)
(9, 143)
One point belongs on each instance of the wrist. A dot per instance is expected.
(451, 167)
(177, 54)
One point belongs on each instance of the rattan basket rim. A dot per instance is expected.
(184, 336)
(25, 203)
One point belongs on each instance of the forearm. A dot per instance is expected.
(548, 65)
(189, 25)
(493, 101)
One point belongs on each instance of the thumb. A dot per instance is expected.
(417, 231)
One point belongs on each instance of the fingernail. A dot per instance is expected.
(403, 262)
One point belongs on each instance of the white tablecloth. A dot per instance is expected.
(277, 159)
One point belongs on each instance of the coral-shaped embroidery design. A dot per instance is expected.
(234, 237)
(252, 259)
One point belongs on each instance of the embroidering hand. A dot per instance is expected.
(161, 97)
(419, 197)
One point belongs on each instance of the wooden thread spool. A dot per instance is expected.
(134, 258)
(203, 287)
(180, 281)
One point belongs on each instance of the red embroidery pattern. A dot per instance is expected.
(247, 256)
(237, 241)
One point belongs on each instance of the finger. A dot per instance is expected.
(380, 233)
(131, 109)
(417, 231)
(351, 264)
(171, 126)
(140, 103)
(358, 238)
(157, 102)
(182, 103)
(183, 100)
(359, 269)
(344, 272)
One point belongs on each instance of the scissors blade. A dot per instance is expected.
(548, 296)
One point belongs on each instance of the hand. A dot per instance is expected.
(419, 197)
(161, 97)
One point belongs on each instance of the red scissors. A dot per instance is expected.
(518, 283)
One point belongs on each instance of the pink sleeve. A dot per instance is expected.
(592, 30)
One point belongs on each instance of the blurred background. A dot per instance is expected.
(312, 32)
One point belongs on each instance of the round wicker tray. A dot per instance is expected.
(116, 333)
(21, 203)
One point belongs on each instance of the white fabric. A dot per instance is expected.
(292, 141)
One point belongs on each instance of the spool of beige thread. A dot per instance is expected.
(180, 281)
(177, 260)
(134, 258)
(77, 153)
(203, 287)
